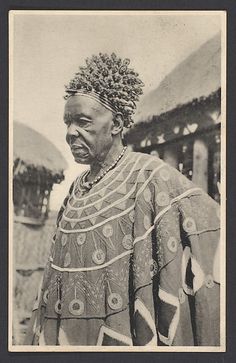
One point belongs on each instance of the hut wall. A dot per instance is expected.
(171, 156)
(188, 138)
(31, 199)
(31, 245)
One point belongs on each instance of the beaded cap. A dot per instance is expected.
(112, 81)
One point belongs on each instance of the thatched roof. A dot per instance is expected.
(197, 76)
(34, 150)
(198, 116)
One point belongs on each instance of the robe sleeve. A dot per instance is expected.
(175, 263)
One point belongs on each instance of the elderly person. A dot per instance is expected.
(135, 255)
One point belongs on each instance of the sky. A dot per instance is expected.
(47, 48)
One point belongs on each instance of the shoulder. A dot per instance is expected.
(165, 178)
(146, 161)
(154, 168)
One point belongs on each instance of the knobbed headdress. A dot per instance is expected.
(109, 80)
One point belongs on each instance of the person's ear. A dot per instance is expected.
(118, 124)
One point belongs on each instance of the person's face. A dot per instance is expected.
(89, 129)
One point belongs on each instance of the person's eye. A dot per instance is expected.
(84, 123)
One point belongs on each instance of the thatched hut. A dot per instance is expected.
(37, 166)
(180, 120)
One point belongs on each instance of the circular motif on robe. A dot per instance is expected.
(107, 230)
(98, 256)
(147, 195)
(131, 216)
(181, 295)
(146, 222)
(45, 296)
(76, 307)
(81, 239)
(115, 301)
(64, 240)
(67, 260)
(162, 199)
(209, 282)
(58, 307)
(164, 174)
(127, 242)
(153, 267)
(189, 225)
(172, 244)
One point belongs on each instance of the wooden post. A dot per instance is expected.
(171, 156)
(215, 192)
(200, 164)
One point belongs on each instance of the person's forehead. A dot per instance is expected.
(83, 104)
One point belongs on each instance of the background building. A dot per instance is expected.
(180, 120)
(37, 166)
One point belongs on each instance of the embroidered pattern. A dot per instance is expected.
(119, 231)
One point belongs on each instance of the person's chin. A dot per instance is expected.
(81, 156)
(81, 159)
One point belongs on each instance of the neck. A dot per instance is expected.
(108, 159)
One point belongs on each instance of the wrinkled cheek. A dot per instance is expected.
(103, 145)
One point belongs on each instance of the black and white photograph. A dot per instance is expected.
(117, 181)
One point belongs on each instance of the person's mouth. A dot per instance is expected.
(79, 150)
(76, 147)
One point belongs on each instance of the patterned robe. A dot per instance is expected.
(135, 261)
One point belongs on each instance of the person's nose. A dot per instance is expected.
(72, 134)
(72, 130)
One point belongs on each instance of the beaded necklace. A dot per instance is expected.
(88, 185)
